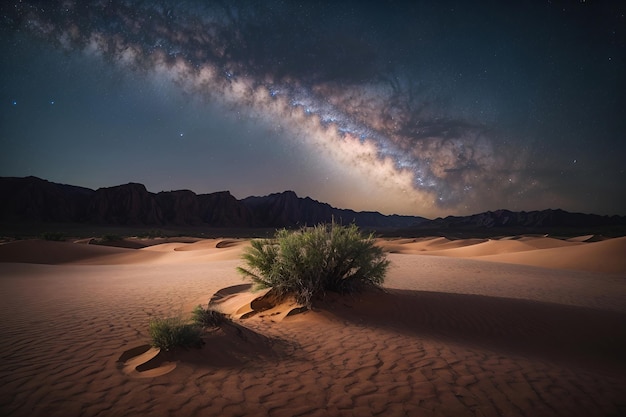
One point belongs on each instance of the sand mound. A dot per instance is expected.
(229, 346)
(205, 244)
(585, 238)
(207, 250)
(548, 242)
(583, 253)
(488, 247)
(603, 256)
(240, 302)
(201, 245)
(425, 245)
(235, 301)
(55, 253)
(165, 247)
(228, 243)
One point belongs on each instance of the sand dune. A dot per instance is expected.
(56, 253)
(418, 246)
(599, 256)
(489, 247)
(605, 256)
(521, 326)
(242, 301)
(549, 242)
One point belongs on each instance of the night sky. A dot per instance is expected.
(427, 108)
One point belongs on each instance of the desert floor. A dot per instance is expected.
(525, 326)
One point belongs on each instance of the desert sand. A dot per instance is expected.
(521, 326)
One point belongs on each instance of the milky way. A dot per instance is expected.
(336, 79)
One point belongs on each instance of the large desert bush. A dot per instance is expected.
(308, 262)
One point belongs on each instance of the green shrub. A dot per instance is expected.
(110, 238)
(207, 317)
(167, 333)
(308, 262)
(53, 236)
(152, 234)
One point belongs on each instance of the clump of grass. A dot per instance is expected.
(152, 234)
(171, 332)
(110, 238)
(308, 262)
(53, 236)
(206, 317)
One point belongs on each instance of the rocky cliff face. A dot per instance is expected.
(32, 199)
(35, 200)
(288, 210)
(523, 219)
(180, 208)
(502, 222)
(221, 209)
(126, 205)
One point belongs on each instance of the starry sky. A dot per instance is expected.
(428, 108)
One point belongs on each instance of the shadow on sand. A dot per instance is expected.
(578, 335)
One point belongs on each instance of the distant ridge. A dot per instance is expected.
(286, 209)
(506, 222)
(32, 200)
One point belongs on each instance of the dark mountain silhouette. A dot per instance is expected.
(505, 222)
(288, 210)
(221, 209)
(124, 205)
(32, 200)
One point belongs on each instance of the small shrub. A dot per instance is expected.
(53, 236)
(110, 238)
(207, 317)
(168, 333)
(308, 262)
(153, 234)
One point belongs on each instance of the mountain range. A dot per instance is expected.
(34, 200)
(31, 200)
